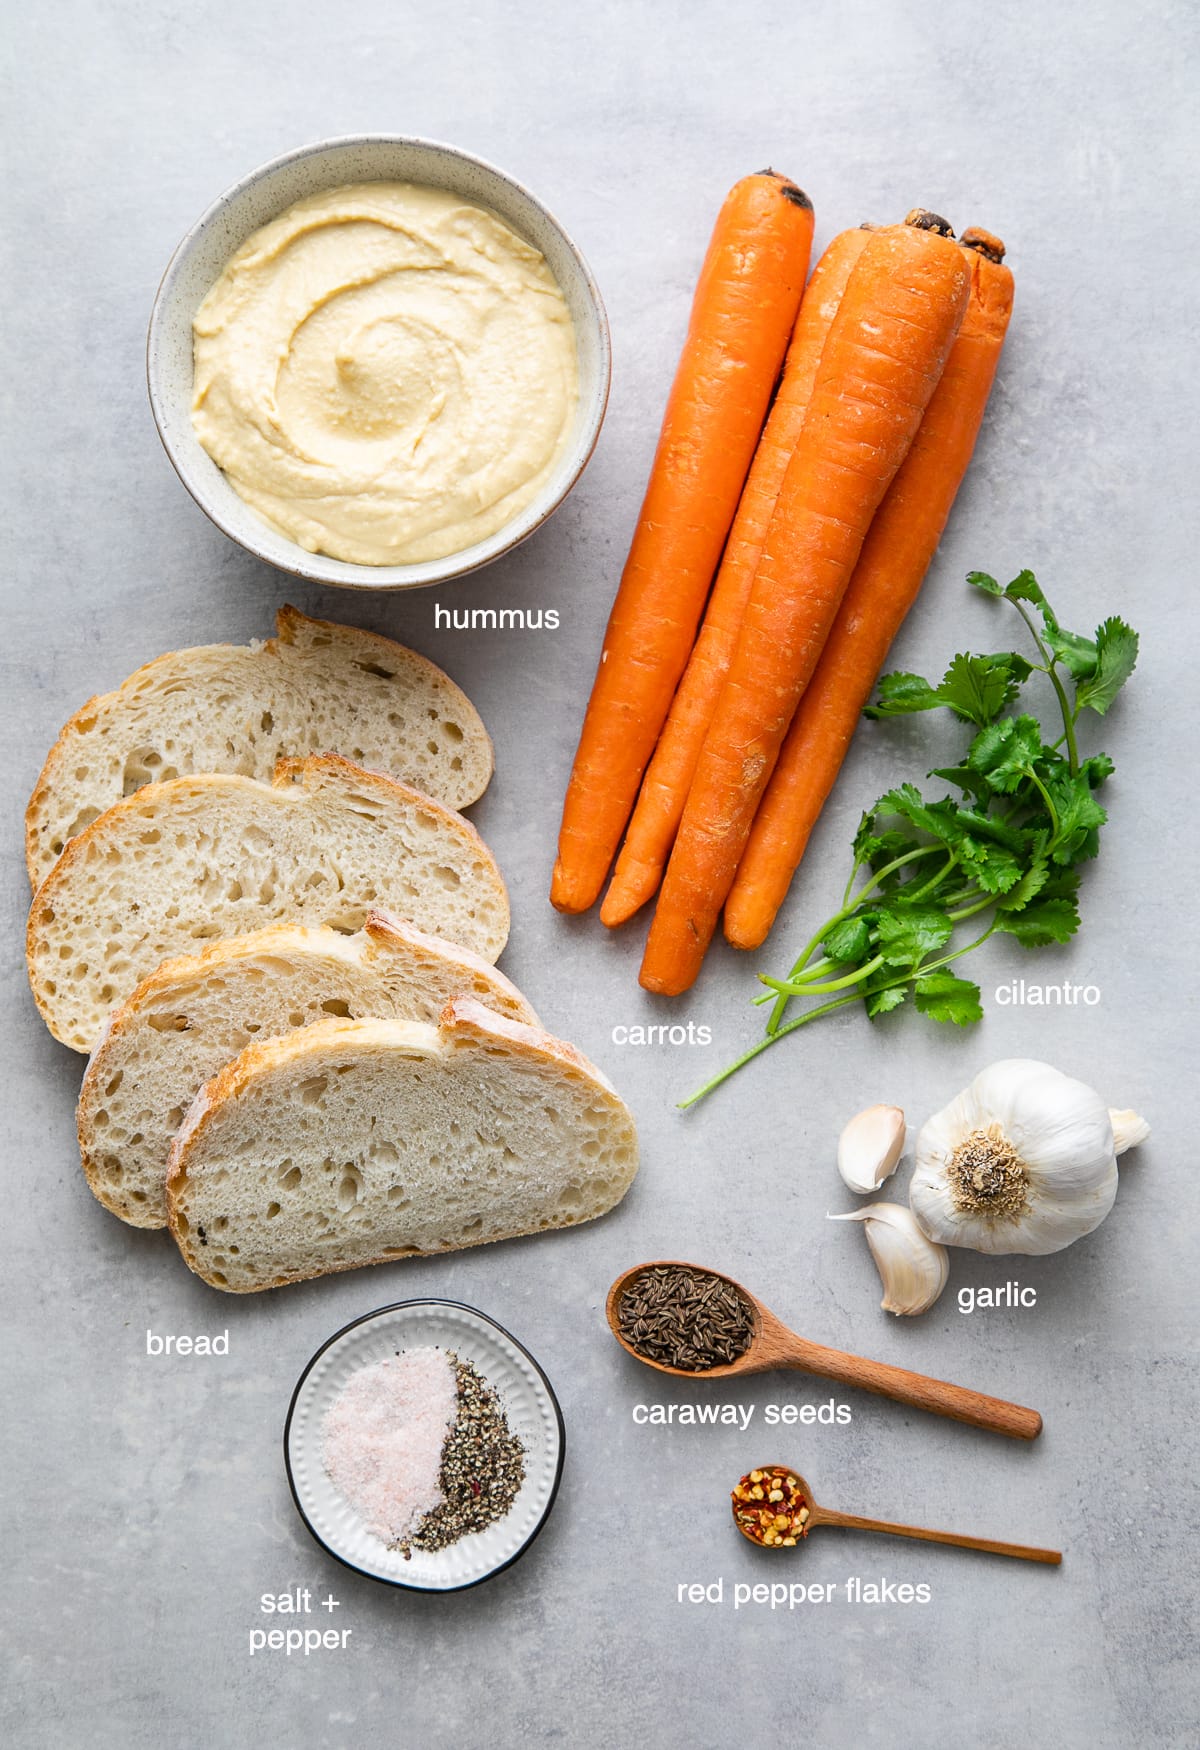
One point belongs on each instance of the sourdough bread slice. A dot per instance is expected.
(215, 855)
(356, 1142)
(193, 1016)
(316, 686)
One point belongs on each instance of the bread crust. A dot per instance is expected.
(462, 1020)
(292, 628)
(303, 775)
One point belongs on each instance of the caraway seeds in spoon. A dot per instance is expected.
(690, 1319)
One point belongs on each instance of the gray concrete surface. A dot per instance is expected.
(146, 1508)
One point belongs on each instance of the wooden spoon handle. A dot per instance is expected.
(914, 1388)
(1024, 1552)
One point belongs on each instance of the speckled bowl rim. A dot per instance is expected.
(551, 1398)
(343, 573)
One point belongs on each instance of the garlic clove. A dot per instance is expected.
(1128, 1130)
(870, 1147)
(913, 1268)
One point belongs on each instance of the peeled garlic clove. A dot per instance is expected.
(870, 1147)
(1128, 1130)
(913, 1268)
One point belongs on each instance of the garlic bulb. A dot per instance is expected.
(870, 1147)
(1024, 1160)
(911, 1267)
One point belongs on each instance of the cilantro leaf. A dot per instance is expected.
(982, 580)
(992, 866)
(1005, 751)
(1080, 818)
(977, 687)
(901, 693)
(1077, 654)
(1026, 588)
(1116, 649)
(938, 819)
(849, 939)
(1027, 888)
(908, 933)
(881, 1002)
(1096, 769)
(1043, 922)
(974, 687)
(943, 997)
(969, 782)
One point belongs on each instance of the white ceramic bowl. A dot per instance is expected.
(263, 195)
(529, 1405)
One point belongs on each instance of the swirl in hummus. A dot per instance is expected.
(385, 373)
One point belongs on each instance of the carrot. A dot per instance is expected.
(891, 568)
(664, 788)
(743, 311)
(888, 343)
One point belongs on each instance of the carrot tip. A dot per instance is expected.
(790, 191)
(983, 242)
(923, 220)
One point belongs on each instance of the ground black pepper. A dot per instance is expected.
(483, 1467)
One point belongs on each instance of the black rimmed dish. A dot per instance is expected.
(531, 1408)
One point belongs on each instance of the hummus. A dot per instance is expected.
(385, 373)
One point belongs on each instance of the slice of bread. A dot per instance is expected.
(315, 687)
(214, 856)
(190, 1018)
(356, 1142)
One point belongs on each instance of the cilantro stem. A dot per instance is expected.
(767, 1040)
(1049, 666)
(842, 1002)
(1046, 798)
(850, 903)
(936, 879)
(971, 911)
(789, 988)
(888, 869)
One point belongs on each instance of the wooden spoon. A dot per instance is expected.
(773, 1345)
(854, 1522)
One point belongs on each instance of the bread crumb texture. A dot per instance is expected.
(239, 708)
(354, 1143)
(214, 856)
(193, 1016)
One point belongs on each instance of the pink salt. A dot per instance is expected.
(383, 1438)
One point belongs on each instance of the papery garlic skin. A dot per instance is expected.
(1062, 1137)
(912, 1267)
(870, 1147)
(1128, 1130)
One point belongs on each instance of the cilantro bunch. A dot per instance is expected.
(932, 880)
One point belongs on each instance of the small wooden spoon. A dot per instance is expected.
(773, 1345)
(853, 1522)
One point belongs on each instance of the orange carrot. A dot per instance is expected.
(888, 343)
(895, 557)
(742, 314)
(664, 788)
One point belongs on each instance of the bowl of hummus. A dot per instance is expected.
(378, 362)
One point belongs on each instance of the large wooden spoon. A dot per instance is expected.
(818, 1515)
(773, 1345)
